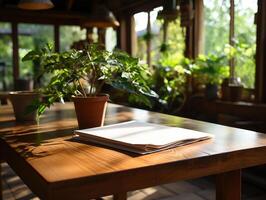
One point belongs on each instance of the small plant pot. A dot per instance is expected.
(90, 111)
(20, 101)
(236, 93)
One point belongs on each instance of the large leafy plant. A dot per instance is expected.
(84, 72)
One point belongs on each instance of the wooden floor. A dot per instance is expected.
(199, 189)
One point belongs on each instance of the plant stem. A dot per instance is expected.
(93, 74)
(83, 91)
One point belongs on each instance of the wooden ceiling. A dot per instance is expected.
(70, 12)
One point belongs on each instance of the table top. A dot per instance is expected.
(48, 155)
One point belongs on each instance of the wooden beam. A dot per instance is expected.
(198, 27)
(127, 34)
(139, 6)
(42, 17)
(260, 82)
(57, 38)
(70, 4)
(15, 48)
(192, 21)
(189, 53)
(188, 22)
(101, 36)
(148, 41)
(232, 38)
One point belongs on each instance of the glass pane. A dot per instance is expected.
(69, 35)
(217, 21)
(216, 24)
(32, 36)
(111, 39)
(174, 42)
(245, 41)
(6, 77)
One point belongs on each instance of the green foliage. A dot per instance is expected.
(83, 72)
(69, 35)
(39, 35)
(169, 80)
(245, 61)
(175, 42)
(6, 54)
(33, 36)
(147, 36)
(217, 18)
(211, 68)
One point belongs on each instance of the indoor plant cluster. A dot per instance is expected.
(81, 74)
(210, 70)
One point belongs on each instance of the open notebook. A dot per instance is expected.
(141, 137)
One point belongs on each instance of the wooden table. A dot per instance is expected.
(55, 166)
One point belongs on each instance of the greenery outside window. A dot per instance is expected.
(6, 77)
(217, 20)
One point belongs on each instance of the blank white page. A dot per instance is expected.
(141, 133)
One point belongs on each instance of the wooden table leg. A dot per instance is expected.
(228, 185)
(1, 188)
(121, 196)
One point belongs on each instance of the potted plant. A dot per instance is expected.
(170, 82)
(80, 75)
(21, 100)
(211, 70)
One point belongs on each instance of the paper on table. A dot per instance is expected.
(140, 137)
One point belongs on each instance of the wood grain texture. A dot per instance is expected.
(55, 166)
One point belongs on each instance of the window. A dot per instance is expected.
(32, 36)
(111, 39)
(217, 21)
(69, 35)
(6, 78)
(174, 43)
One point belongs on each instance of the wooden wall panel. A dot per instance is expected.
(261, 52)
(127, 35)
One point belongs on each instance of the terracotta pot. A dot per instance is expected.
(90, 111)
(20, 100)
(236, 92)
